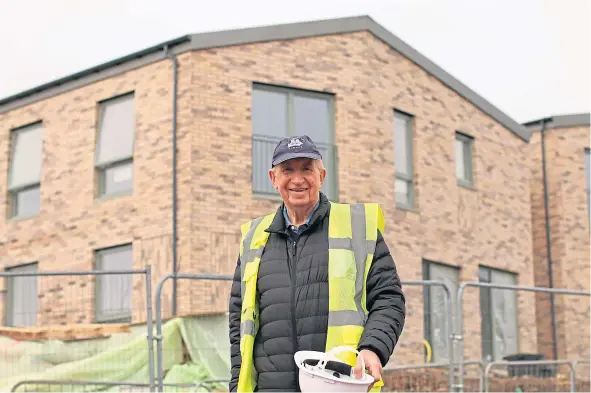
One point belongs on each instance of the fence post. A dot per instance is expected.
(150, 326)
(459, 337)
(448, 319)
(158, 337)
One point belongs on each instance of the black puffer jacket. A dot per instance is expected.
(292, 287)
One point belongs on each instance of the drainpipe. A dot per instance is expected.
(175, 65)
(548, 243)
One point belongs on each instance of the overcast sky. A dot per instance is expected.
(530, 58)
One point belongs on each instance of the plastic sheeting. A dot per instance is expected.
(123, 357)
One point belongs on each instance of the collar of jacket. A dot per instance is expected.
(278, 223)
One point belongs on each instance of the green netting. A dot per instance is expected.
(194, 350)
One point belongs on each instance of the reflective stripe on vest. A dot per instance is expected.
(352, 234)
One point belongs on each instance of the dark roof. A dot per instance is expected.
(561, 121)
(263, 34)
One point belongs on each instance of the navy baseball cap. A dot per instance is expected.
(295, 147)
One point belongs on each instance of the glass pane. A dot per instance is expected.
(22, 295)
(116, 129)
(460, 160)
(504, 318)
(26, 203)
(312, 118)
(262, 153)
(438, 316)
(401, 143)
(118, 179)
(25, 166)
(269, 113)
(115, 290)
(402, 192)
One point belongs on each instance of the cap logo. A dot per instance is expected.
(294, 142)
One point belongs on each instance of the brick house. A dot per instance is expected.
(91, 177)
(566, 156)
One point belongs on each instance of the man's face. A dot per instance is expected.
(298, 181)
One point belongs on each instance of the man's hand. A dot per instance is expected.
(372, 364)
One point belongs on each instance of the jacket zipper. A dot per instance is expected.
(293, 293)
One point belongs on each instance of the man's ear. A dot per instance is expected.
(322, 175)
(272, 177)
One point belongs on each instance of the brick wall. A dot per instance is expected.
(489, 224)
(72, 222)
(569, 236)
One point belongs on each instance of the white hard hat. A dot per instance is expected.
(324, 372)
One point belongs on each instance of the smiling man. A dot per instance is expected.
(312, 276)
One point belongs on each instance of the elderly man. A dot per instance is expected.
(313, 275)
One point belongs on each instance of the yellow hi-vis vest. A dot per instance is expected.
(352, 235)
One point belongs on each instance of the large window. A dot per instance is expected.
(403, 186)
(114, 150)
(281, 112)
(435, 315)
(498, 315)
(113, 291)
(21, 304)
(24, 174)
(464, 159)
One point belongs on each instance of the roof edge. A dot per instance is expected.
(286, 32)
(561, 121)
(96, 69)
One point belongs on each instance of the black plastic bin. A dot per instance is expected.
(534, 370)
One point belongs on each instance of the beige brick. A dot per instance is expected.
(490, 224)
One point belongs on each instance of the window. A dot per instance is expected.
(281, 112)
(24, 175)
(113, 291)
(588, 184)
(114, 150)
(464, 159)
(403, 186)
(21, 302)
(435, 316)
(498, 315)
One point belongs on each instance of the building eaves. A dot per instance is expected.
(561, 121)
(93, 74)
(283, 32)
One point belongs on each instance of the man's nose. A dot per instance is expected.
(297, 177)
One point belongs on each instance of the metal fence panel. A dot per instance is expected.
(498, 329)
(93, 386)
(446, 317)
(68, 299)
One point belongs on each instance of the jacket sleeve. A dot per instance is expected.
(235, 307)
(386, 304)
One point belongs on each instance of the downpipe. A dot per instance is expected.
(548, 241)
(175, 66)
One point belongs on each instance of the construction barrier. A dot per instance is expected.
(507, 336)
(66, 312)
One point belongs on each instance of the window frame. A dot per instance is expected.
(468, 154)
(14, 191)
(101, 168)
(408, 178)
(99, 314)
(9, 308)
(290, 93)
(486, 303)
(426, 272)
